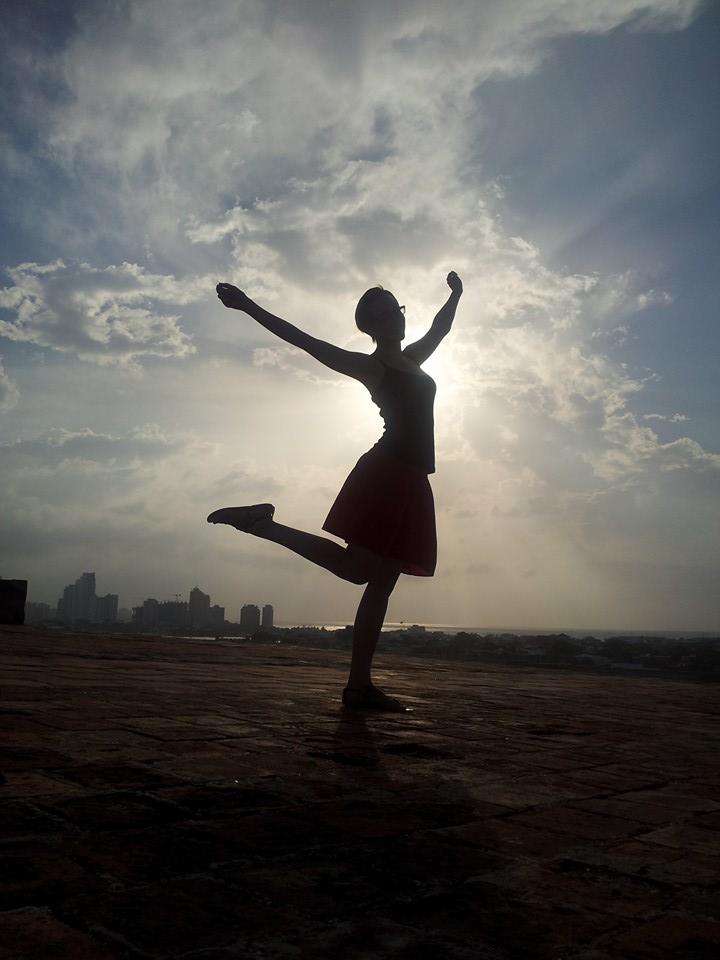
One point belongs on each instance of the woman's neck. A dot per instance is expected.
(388, 351)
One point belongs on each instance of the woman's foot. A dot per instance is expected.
(248, 519)
(370, 697)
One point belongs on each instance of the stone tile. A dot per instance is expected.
(35, 932)
(644, 813)
(363, 817)
(512, 795)
(707, 821)
(31, 872)
(631, 857)
(676, 934)
(20, 819)
(187, 809)
(137, 857)
(685, 836)
(112, 811)
(205, 800)
(493, 918)
(613, 779)
(26, 758)
(682, 801)
(580, 823)
(176, 916)
(269, 834)
(571, 883)
(689, 869)
(510, 839)
(101, 776)
(30, 785)
(704, 903)
(161, 729)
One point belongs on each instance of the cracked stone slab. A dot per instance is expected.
(174, 799)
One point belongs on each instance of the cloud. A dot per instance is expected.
(104, 315)
(170, 114)
(142, 443)
(675, 418)
(8, 391)
(307, 151)
(133, 502)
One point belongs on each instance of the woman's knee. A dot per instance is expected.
(364, 566)
(384, 576)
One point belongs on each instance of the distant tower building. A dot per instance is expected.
(66, 605)
(148, 614)
(84, 597)
(267, 617)
(217, 617)
(37, 611)
(250, 617)
(199, 608)
(173, 613)
(106, 608)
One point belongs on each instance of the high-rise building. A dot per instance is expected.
(37, 611)
(173, 613)
(250, 617)
(217, 617)
(267, 617)
(148, 614)
(199, 608)
(84, 597)
(106, 608)
(78, 599)
(66, 605)
(13, 594)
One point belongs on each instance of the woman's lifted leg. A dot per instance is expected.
(343, 562)
(352, 563)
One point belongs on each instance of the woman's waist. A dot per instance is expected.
(411, 456)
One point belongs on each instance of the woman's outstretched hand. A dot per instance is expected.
(454, 282)
(232, 297)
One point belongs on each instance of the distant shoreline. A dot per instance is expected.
(452, 629)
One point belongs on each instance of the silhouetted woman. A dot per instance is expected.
(385, 510)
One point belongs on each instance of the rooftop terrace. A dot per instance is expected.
(211, 800)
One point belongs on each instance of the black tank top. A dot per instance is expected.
(406, 405)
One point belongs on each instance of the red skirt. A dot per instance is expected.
(387, 506)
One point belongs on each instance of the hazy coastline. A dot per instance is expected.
(453, 629)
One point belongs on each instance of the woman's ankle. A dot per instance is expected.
(262, 527)
(358, 682)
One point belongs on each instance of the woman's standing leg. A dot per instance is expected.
(368, 624)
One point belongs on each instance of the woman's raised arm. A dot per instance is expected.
(349, 362)
(237, 300)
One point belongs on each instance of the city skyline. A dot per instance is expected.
(560, 156)
(79, 602)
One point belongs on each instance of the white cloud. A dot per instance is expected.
(675, 418)
(58, 445)
(8, 391)
(306, 151)
(107, 316)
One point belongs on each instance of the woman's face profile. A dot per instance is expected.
(389, 315)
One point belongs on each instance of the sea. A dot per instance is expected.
(579, 633)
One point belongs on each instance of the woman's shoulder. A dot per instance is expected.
(376, 369)
(374, 373)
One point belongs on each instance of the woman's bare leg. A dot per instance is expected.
(357, 565)
(320, 550)
(368, 624)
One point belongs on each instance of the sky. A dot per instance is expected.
(560, 155)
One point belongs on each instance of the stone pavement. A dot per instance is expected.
(212, 800)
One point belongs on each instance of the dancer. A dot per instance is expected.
(385, 510)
